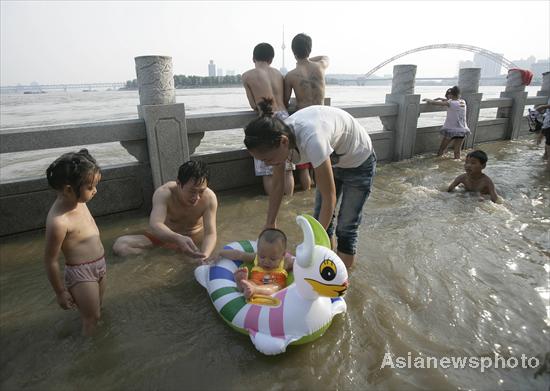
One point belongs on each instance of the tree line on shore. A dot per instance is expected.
(183, 81)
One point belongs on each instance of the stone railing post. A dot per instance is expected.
(468, 82)
(515, 89)
(545, 86)
(164, 118)
(155, 80)
(403, 125)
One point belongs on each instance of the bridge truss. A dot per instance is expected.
(484, 52)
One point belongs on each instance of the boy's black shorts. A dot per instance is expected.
(546, 133)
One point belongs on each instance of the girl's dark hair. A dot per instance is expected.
(193, 169)
(265, 132)
(74, 169)
(454, 91)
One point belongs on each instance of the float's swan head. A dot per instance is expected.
(318, 271)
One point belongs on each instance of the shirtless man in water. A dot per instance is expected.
(183, 217)
(265, 82)
(474, 179)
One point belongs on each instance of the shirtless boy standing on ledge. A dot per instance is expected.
(265, 82)
(308, 82)
(308, 78)
(183, 217)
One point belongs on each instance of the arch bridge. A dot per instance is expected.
(484, 52)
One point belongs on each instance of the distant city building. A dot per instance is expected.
(531, 63)
(525, 63)
(489, 67)
(211, 68)
(539, 67)
(219, 72)
(230, 72)
(465, 64)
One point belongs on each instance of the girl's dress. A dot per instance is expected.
(455, 123)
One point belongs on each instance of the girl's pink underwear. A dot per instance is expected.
(92, 271)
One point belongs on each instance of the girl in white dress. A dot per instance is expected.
(454, 129)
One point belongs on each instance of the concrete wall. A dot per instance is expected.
(491, 130)
(24, 204)
(230, 170)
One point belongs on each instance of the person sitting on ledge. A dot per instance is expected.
(183, 217)
(546, 131)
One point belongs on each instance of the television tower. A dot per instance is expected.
(283, 68)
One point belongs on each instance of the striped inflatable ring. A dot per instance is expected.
(289, 319)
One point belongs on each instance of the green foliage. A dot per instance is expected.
(131, 85)
(183, 81)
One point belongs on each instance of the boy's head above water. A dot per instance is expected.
(263, 52)
(74, 172)
(271, 248)
(475, 162)
(479, 155)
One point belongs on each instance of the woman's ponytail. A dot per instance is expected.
(265, 107)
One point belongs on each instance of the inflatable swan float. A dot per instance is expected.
(295, 315)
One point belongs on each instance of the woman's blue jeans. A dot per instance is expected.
(353, 186)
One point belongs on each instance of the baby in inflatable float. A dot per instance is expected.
(269, 265)
(297, 314)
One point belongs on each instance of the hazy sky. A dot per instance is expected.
(96, 41)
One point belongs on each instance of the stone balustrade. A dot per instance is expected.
(163, 136)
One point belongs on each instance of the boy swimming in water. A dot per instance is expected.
(271, 264)
(474, 179)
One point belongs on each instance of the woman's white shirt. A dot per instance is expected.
(322, 131)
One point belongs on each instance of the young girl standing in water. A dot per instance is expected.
(454, 129)
(71, 229)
